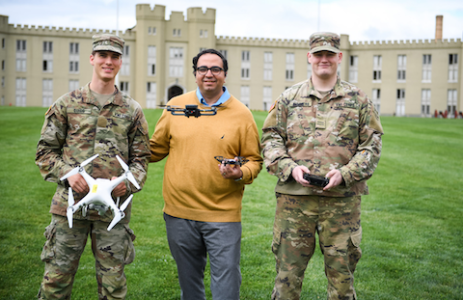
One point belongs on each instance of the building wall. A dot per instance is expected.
(175, 41)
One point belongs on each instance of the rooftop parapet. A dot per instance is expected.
(144, 12)
(263, 42)
(405, 44)
(196, 14)
(64, 32)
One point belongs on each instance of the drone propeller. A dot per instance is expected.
(70, 211)
(87, 161)
(128, 173)
(126, 203)
(76, 170)
(117, 218)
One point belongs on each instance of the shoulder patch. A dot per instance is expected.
(273, 106)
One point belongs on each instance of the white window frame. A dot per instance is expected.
(267, 91)
(376, 99)
(427, 68)
(453, 67)
(47, 92)
(377, 65)
(425, 102)
(353, 68)
(401, 68)
(151, 89)
(151, 61)
(289, 73)
(21, 91)
(268, 65)
(245, 94)
(400, 103)
(245, 64)
(176, 57)
(452, 100)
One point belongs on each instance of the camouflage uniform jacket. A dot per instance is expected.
(341, 131)
(76, 127)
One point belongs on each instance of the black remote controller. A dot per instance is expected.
(316, 180)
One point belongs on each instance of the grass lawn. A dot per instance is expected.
(412, 221)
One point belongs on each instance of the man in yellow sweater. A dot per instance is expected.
(202, 198)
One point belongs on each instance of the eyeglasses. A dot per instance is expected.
(214, 70)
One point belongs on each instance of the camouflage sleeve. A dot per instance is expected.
(49, 148)
(276, 158)
(364, 162)
(139, 152)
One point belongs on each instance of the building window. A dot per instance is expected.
(401, 67)
(176, 62)
(21, 56)
(73, 85)
(451, 102)
(151, 60)
(268, 66)
(425, 102)
(20, 91)
(176, 32)
(289, 75)
(203, 33)
(47, 62)
(427, 68)
(267, 97)
(151, 94)
(3, 81)
(74, 58)
(400, 104)
(125, 67)
(47, 92)
(124, 85)
(353, 68)
(245, 64)
(224, 53)
(376, 99)
(3, 65)
(453, 67)
(377, 62)
(152, 30)
(245, 92)
(3, 43)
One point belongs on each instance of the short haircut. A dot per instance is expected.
(211, 51)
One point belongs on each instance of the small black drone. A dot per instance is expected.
(229, 161)
(191, 111)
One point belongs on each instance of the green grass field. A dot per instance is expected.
(412, 221)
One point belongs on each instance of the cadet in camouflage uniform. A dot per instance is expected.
(95, 119)
(326, 127)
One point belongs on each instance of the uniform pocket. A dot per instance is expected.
(48, 251)
(129, 247)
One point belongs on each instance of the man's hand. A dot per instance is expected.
(298, 175)
(120, 189)
(78, 184)
(335, 179)
(229, 171)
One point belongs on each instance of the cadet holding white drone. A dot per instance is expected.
(84, 133)
(202, 199)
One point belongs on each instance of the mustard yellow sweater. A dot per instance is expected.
(193, 187)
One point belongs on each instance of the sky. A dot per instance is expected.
(362, 20)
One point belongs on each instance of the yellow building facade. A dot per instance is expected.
(403, 78)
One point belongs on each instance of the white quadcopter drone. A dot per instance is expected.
(99, 197)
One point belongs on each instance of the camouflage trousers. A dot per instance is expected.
(337, 222)
(64, 246)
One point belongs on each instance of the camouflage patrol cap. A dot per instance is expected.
(327, 41)
(108, 42)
